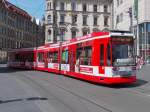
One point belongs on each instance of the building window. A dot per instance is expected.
(62, 35)
(119, 2)
(119, 18)
(85, 32)
(105, 21)
(84, 20)
(74, 33)
(54, 5)
(95, 20)
(49, 18)
(62, 18)
(73, 6)
(62, 6)
(48, 5)
(105, 8)
(95, 8)
(55, 35)
(74, 19)
(148, 33)
(84, 7)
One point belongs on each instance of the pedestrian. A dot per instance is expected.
(140, 62)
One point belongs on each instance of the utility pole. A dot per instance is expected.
(137, 29)
(55, 20)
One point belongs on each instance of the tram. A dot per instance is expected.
(99, 57)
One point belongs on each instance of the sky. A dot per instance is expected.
(34, 7)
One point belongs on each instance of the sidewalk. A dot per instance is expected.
(144, 73)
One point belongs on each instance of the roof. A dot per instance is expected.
(16, 9)
(21, 49)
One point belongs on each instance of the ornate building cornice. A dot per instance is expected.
(16, 9)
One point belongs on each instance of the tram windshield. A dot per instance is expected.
(123, 55)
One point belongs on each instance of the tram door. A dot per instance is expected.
(46, 59)
(72, 60)
(102, 58)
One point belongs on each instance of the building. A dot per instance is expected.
(40, 32)
(40, 38)
(122, 18)
(126, 19)
(66, 19)
(17, 30)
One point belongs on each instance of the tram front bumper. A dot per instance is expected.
(118, 80)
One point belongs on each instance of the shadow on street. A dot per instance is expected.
(5, 69)
(138, 83)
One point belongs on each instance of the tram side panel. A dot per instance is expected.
(83, 61)
(71, 60)
(40, 62)
(29, 60)
(53, 60)
(64, 59)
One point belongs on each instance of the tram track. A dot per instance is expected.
(46, 92)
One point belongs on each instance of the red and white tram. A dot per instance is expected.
(101, 57)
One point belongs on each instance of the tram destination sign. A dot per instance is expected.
(123, 39)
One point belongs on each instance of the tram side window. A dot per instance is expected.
(30, 57)
(85, 55)
(19, 58)
(50, 57)
(102, 55)
(108, 55)
(64, 57)
(41, 57)
(53, 57)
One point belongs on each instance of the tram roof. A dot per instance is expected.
(22, 49)
(87, 37)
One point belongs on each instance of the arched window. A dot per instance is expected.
(85, 31)
(49, 18)
(74, 33)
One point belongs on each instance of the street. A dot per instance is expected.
(35, 91)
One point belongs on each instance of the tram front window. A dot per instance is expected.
(123, 55)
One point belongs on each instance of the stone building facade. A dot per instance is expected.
(17, 30)
(66, 19)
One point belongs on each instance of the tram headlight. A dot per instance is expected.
(115, 68)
